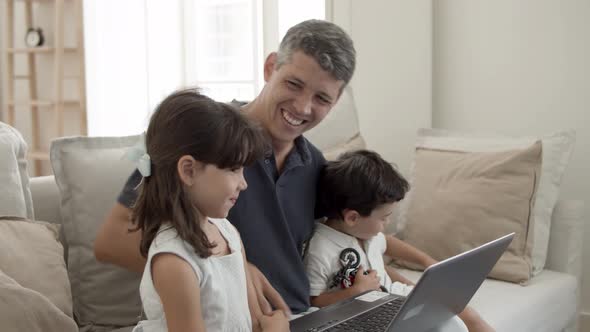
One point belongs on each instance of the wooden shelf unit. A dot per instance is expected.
(57, 103)
(40, 50)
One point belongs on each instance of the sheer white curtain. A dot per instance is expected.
(134, 57)
(227, 41)
(222, 48)
(137, 52)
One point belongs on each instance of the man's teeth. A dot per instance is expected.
(291, 120)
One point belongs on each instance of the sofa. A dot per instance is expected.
(89, 172)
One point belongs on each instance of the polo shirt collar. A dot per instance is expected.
(300, 155)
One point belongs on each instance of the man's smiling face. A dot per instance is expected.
(298, 95)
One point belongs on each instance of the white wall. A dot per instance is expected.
(518, 67)
(513, 67)
(392, 81)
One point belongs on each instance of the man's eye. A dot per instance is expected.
(292, 85)
(324, 101)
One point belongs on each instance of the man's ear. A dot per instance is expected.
(350, 217)
(187, 167)
(269, 65)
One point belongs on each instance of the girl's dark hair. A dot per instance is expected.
(188, 123)
(359, 180)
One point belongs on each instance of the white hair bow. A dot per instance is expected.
(138, 154)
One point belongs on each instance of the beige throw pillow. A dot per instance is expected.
(461, 200)
(90, 172)
(23, 309)
(557, 149)
(32, 255)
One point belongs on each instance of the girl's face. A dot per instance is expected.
(213, 190)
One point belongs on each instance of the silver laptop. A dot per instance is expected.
(443, 291)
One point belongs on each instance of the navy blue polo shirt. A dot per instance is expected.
(275, 217)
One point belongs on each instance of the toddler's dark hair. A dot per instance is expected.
(359, 180)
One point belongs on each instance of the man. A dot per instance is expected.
(275, 215)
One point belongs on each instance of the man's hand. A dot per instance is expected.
(275, 322)
(364, 282)
(267, 296)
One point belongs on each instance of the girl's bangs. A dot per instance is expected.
(239, 148)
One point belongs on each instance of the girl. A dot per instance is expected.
(194, 279)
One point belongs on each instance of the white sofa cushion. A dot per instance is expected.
(15, 193)
(557, 149)
(547, 304)
(567, 238)
(90, 172)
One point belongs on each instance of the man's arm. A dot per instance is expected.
(267, 296)
(275, 321)
(254, 306)
(398, 249)
(115, 244)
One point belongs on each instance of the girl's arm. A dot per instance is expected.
(178, 288)
(398, 249)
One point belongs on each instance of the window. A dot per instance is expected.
(137, 52)
(292, 12)
(226, 41)
(221, 47)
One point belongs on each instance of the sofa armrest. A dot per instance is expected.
(46, 199)
(565, 242)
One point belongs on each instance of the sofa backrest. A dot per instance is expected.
(565, 243)
(46, 201)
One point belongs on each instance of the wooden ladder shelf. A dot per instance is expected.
(56, 103)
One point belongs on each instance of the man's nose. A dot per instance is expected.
(303, 104)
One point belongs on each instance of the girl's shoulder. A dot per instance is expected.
(228, 231)
(165, 234)
(166, 240)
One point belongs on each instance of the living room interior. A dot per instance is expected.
(467, 75)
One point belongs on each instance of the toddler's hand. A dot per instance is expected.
(276, 322)
(364, 282)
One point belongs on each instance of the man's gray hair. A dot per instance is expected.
(327, 43)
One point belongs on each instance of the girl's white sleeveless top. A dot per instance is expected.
(222, 282)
